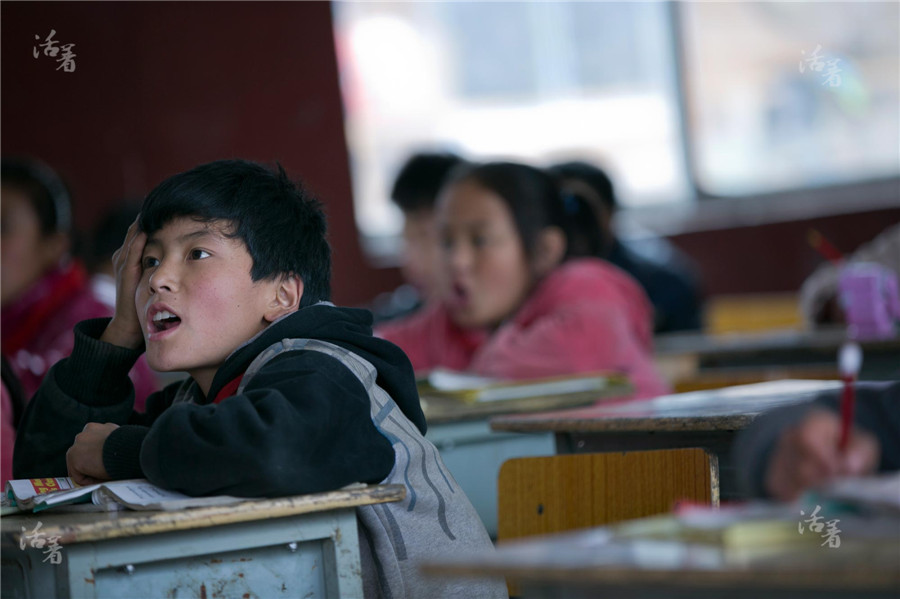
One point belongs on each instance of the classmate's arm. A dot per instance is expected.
(302, 425)
(91, 385)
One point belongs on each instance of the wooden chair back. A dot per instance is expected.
(541, 495)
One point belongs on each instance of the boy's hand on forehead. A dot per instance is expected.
(125, 328)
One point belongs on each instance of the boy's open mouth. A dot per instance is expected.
(165, 320)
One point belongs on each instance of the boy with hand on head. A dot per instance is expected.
(225, 275)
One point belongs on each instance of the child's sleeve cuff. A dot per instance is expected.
(97, 372)
(122, 452)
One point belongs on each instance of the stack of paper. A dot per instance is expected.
(473, 388)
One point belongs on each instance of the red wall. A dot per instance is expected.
(160, 87)
(775, 257)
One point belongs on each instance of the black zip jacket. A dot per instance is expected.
(301, 425)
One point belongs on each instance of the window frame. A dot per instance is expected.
(702, 210)
(708, 211)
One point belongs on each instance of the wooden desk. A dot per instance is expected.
(597, 563)
(708, 419)
(293, 546)
(474, 453)
(811, 350)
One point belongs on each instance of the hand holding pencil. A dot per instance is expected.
(808, 455)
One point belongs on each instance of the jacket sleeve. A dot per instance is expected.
(877, 411)
(301, 425)
(91, 385)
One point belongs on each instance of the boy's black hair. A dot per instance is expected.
(532, 195)
(593, 176)
(283, 227)
(47, 192)
(420, 179)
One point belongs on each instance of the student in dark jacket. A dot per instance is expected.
(225, 275)
(415, 193)
(791, 449)
(670, 279)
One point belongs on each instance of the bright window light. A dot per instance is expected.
(538, 82)
(787, 95)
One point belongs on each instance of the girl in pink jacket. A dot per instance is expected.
(513, 302)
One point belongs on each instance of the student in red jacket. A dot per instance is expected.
(514, 302)
(44, 290)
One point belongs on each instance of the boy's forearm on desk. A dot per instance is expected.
(91, 385)
(122, 452)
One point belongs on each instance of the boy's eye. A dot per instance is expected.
(149, 262)
(198, 254)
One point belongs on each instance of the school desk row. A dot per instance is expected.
(476, 440)
(310, 540)
(307, 546)
(309, 543)
(747, 552)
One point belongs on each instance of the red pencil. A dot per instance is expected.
(823, 246)
(849, 362)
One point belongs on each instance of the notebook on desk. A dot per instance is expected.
(471, 388)
(448, 396)
(38, 494)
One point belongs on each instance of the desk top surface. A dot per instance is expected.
(440, 410)
(823, 339)
(81, 526)
(730, 408)
(863, 561)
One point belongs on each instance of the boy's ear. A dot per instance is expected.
(550, 250)
(288, 291)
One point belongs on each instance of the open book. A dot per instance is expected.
(472, 388)
(39, 494)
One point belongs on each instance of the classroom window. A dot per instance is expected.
(773, 96)
(538, 82)
(787, 95)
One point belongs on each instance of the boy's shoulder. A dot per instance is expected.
(323, 327)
